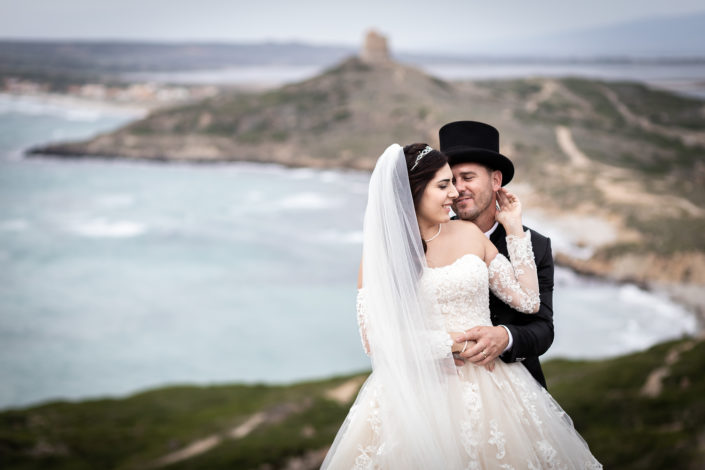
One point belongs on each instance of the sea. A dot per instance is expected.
(120, 276)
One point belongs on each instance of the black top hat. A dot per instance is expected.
(475, 142)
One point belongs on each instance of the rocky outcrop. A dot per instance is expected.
(687, 268)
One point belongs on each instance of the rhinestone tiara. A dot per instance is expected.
(422, 154)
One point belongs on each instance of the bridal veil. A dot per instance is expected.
(413, 368)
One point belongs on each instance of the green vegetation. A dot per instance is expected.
(670, 235)
(661, 107)
(522, 88)
(135, 432)
(605, 115)
(624, 427)
(638, 136)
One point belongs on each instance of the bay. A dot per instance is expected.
(119, 276)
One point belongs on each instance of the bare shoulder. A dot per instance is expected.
(464, 228)
(468, 238)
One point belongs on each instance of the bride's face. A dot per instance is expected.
(437, 198)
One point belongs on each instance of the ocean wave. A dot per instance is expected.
(660, 305)
(302, 173)
(88, 115)
(64, 107)
(306, 201)
(331, 176)
(337, 237)
(102, 228)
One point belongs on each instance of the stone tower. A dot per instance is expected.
(374, 48)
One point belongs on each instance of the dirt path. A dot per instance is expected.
(654, 382)
(345, 392)
(203, 445)
(616, 184)
(567, 144)
(548, 88)
(195, 448)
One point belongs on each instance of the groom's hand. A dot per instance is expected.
(490, 342)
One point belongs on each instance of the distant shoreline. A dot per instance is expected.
(69, 101)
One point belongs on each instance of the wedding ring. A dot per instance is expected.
(465, 346)
(484, 354)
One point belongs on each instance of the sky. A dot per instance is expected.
(411, 25)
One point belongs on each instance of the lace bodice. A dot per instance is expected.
(461, 289)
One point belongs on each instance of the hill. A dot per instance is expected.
(620, 152)
(640, 411)
(338, 119)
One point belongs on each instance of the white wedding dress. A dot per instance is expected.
(505, 419)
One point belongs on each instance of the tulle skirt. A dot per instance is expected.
(505, 420)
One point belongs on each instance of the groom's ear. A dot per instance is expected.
(496, 176)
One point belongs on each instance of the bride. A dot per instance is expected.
(424, 279)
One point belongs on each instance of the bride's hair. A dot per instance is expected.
(424, 170)
(421, 172)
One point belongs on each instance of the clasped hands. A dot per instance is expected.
(484, 345)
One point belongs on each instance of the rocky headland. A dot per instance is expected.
(618, 165)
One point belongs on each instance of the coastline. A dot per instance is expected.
(577, 245)
(577, 241)
(64, 100)
(574, 247)
(691, 296)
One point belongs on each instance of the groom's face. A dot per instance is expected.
(476, 185)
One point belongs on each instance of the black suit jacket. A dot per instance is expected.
(532, 333)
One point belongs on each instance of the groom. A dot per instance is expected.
(479, 170)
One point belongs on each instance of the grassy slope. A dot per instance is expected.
(651, 161)
(624, 429)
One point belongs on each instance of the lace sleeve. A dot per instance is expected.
(441, 343)
(362, 319)
(516, 283)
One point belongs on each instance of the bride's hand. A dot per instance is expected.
(458, 347)
(509, 213)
